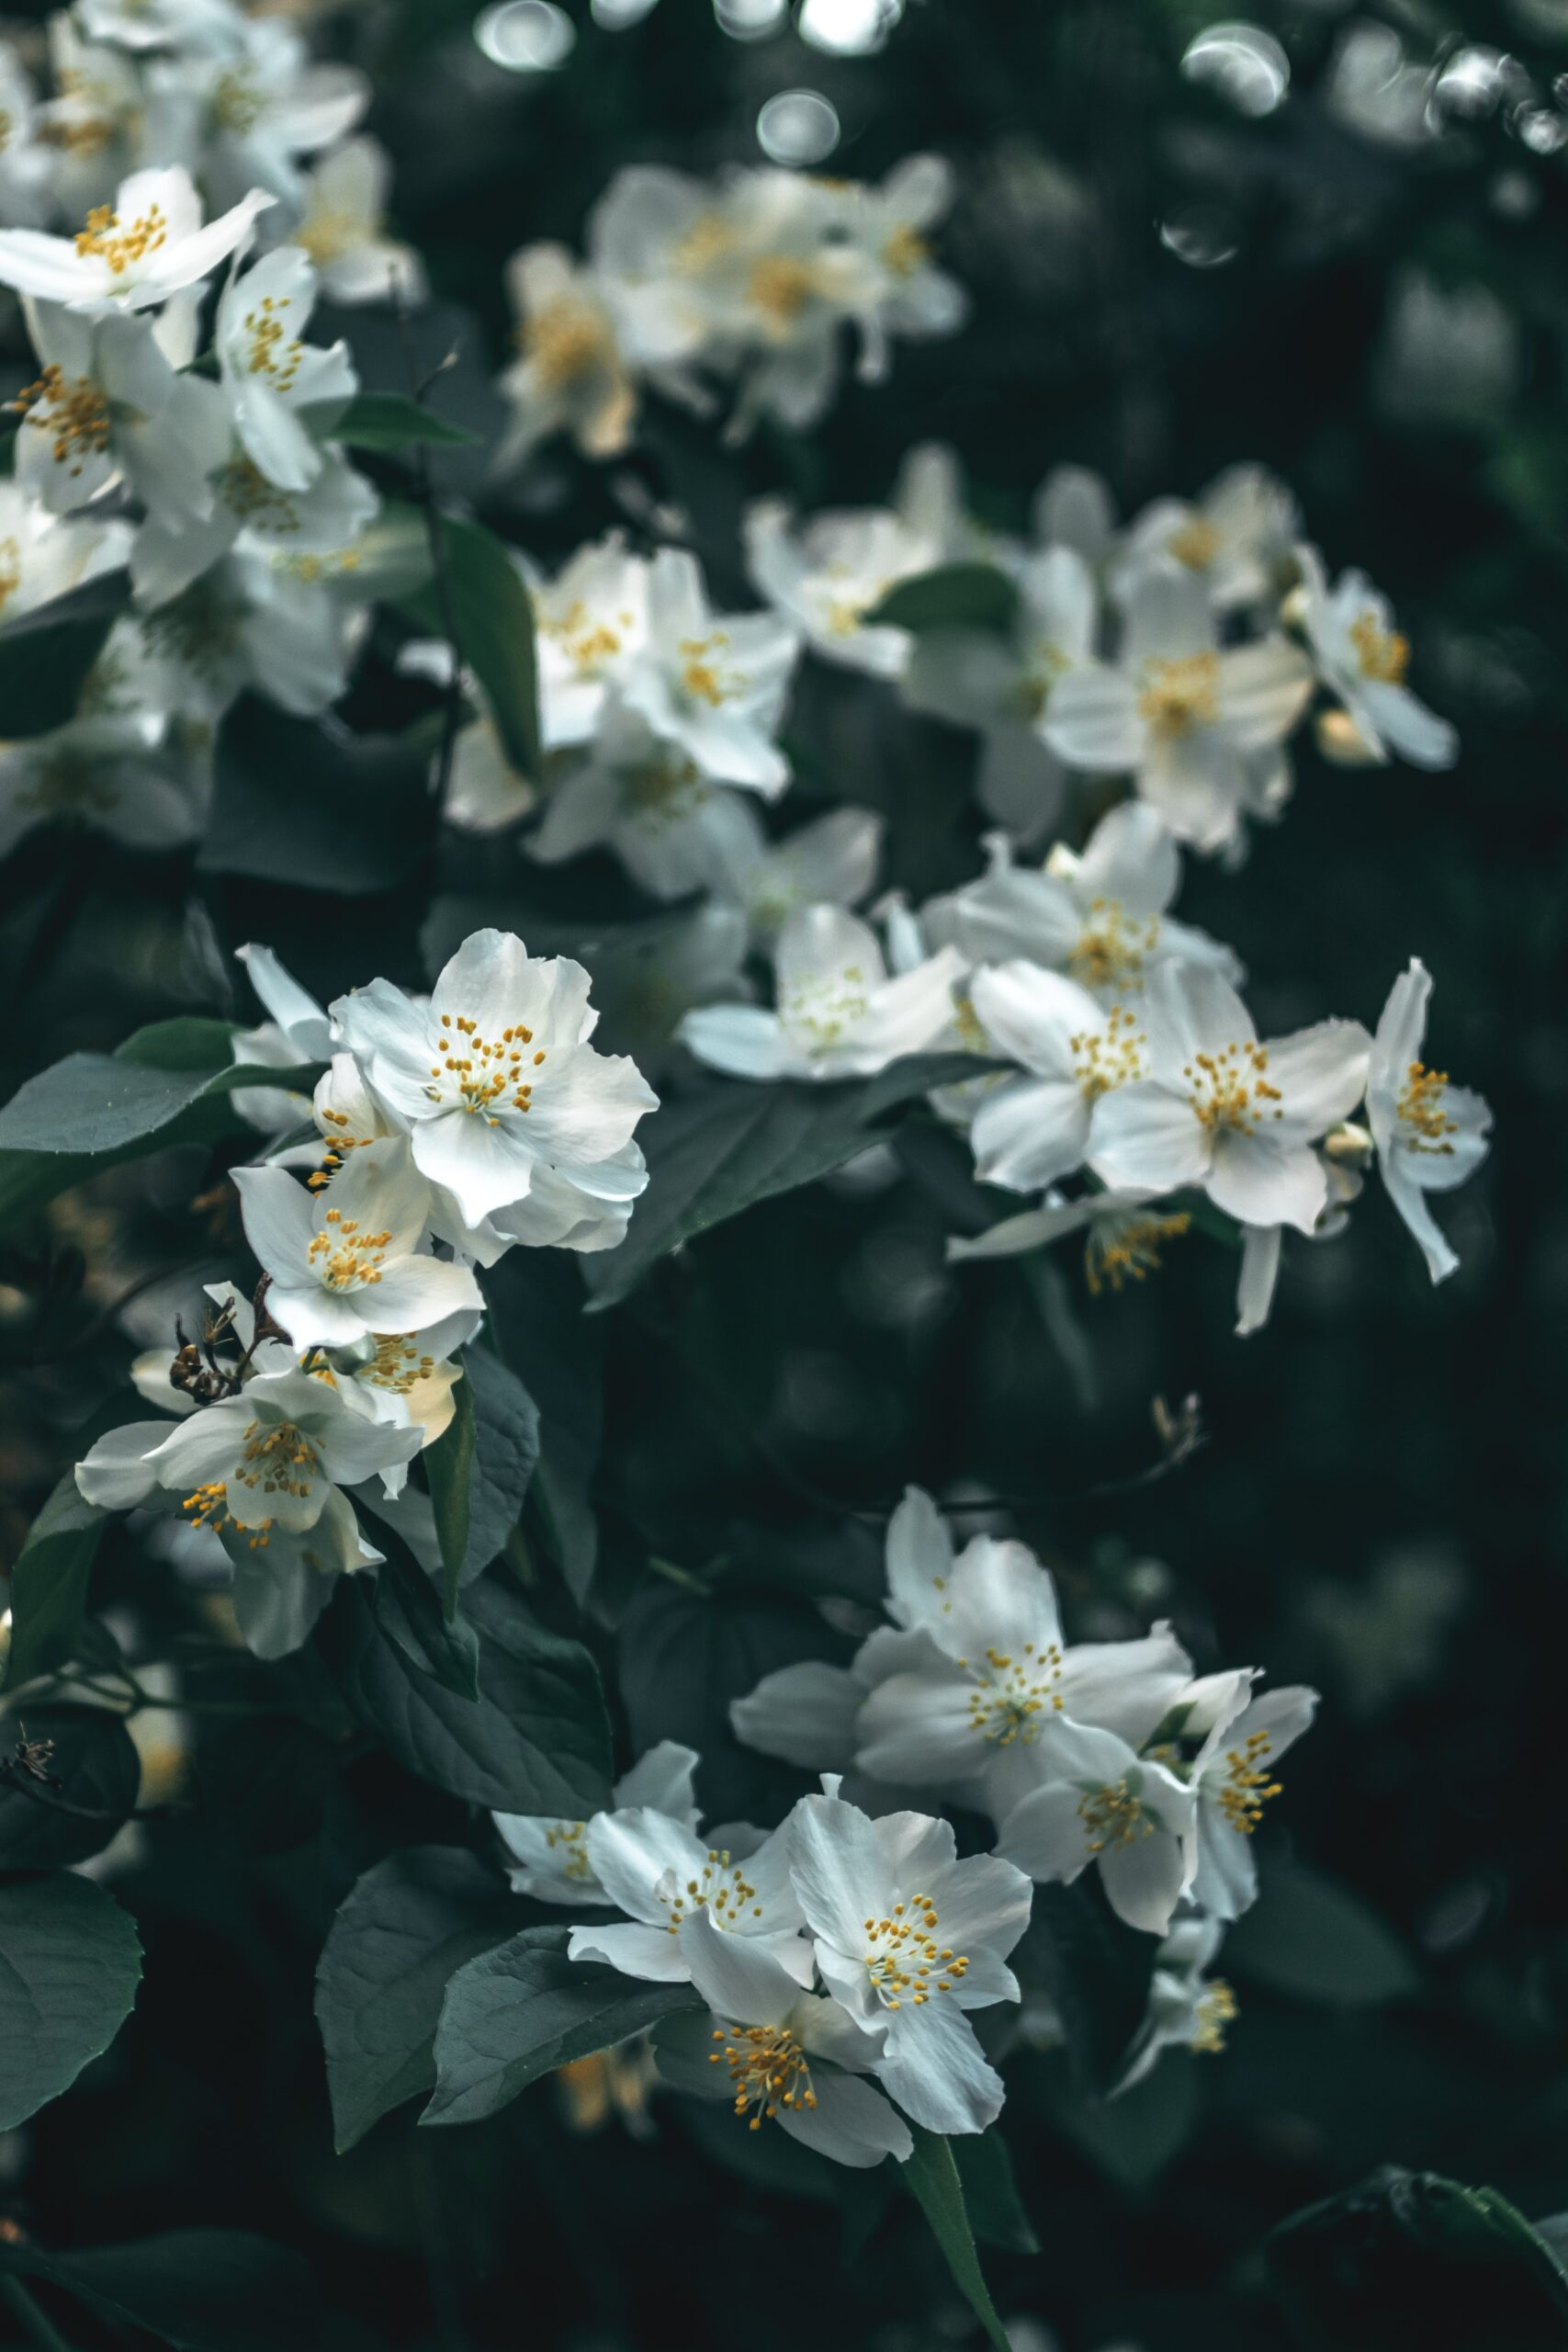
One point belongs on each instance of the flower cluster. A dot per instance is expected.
(452, 1128)
(752, 281)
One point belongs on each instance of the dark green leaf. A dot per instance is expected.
(70, 1964)
(450, 1467)
(1409, 2262)
(1134, 2136)
(401, 1934)
(46, 654)
(717, 1153)
(269, 1777)
(931, 2178)
(409, 1613)
(1310, 1936)
(91, 1766)
(991, 2192)
(201, 2290)
(506, 1449)
(536, 1740)
(390, 421)
(1094, 1969)
(97, 1105)
(491, 615)
(49, 1584)
(537, 1318)
(957, 595)
(307, 803)
(517, 2012)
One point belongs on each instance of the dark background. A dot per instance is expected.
(1380, 1506)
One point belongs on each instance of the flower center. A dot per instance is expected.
(818, 1009)
(67, 784)
(768, 2069)
(1108, 1057)
(588, 642)
(278, 1459)
(1196, 543)
(328, 234)
(1247, 1788)
(10, 571)
(905, 252)
(346, 1257)
(721, 1888)
(76, 414)
(905, 1958)
(1122, 1249)
(572, 1860)
(1228, 1091)
(1179, 695)
(260, 505)
(709, 236)
(273, 352)
(1111, 946)
(103, 239)
(1216, 2010)
(395, 1364)
(565, 341)
(1382, 653)
(237, 104)
(781, 288)
(484, 1074)
(705, 679)
(1420, 1109)
(1011, 1692)
(1113, 1815)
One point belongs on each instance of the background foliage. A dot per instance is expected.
(1162, 285)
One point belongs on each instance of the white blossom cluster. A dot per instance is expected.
(752, 281)
(450, 1129)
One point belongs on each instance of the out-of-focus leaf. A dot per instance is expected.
(491, 617)
(1409, 2261)
(450, 1467)
(717, 1153)
(991, 2192)
(70, 1965)
(92, 1765)
(307, 803)
(1310, 1936)
(957, 595)
(49, 1584)
(1094, 1969)
(522, 2009)
(399, 1936)
(409, 1612)
(46, 654)
(931, 2178)
(201, 2290)
(538, 1325)
(536, 1740)
(389, 422)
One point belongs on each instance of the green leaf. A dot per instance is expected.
(536, 1740)
(450, 1467)
(991, 2192)
(491, 615)
(536, 1320)
(931, 2178)
(957, 595)
(401, 1934)
(46, 654)
(1095, 1971)
(719, 1152)
(522, 2009)
(310, 804)
(201, 2290)
(1315, 1939)
(1409, 2261)
(93, 1767)
(1136, 2136)
(93, 1106)
(409, 1612)
(70, 1964)
(389, 422)
(49, 1584)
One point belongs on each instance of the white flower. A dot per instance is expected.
(1187, 2008)
(1236, 538)
(1101, 1802)
(591, 625)
(345, 1261)
(140, 250)
(1430, 1136)
(112, 770)
(1074, 508)
(1184, 715)
(549, 1858)
(43, 556)
(1220, 1110)
(886, 280)
(643, 797)
(343, 229)
(839, 1014)
(786, 2056)
(252, 110)
(826, 576)
(571, 374)
(1124, 1235)
(830, 862)
(1362, 658)
(659, 1873)
(248, 622)
(1030, 1130)
(712, 685)
(1232, 1775)
(495, 1080)
(910, 1939)
(106, 405)
(269, 1457)
(283, 395)
(297, 1031)
(199, 25)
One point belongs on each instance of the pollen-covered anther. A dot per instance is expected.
(1229, 1090)
(768, 2069)
(1247, 1786)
